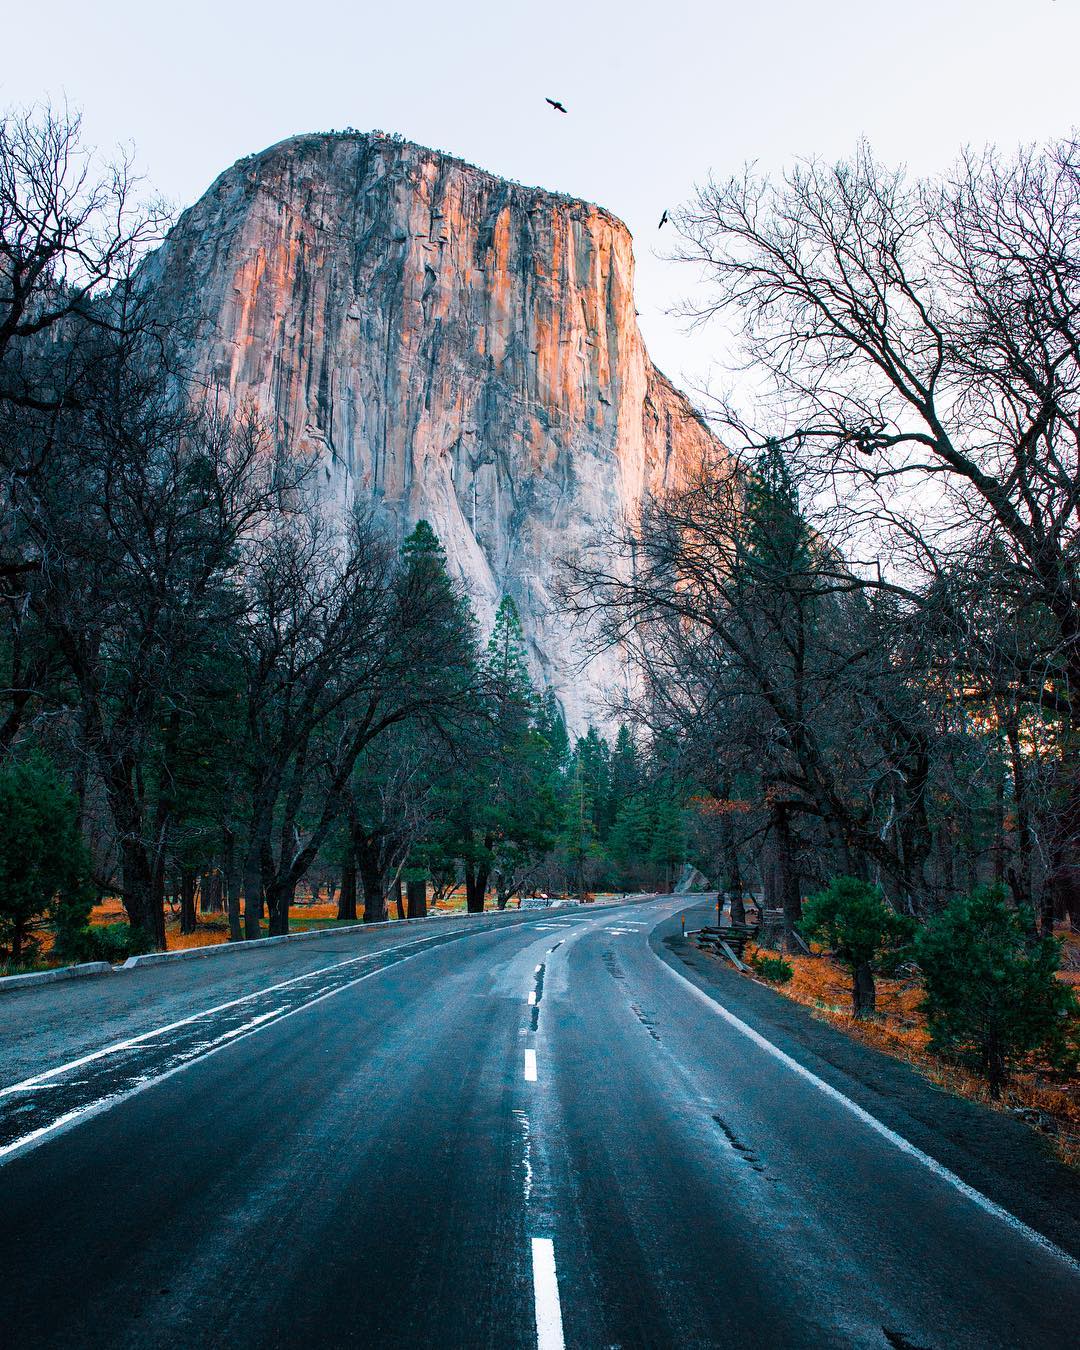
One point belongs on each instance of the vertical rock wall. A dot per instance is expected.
(460, 347)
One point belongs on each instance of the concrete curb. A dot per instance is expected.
(51, 976)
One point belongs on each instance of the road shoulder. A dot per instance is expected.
(990, 1150)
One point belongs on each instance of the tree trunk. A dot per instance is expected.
(347, 897)
(997, 848)
(475, 889)
(371, 879)
(416, 895)
(735, 885)
(786, 875)
(232, 883)
(398, 900)
(863, 990)
(253, 896)
(144, 893)
(187, 900)
(212, 899)
(279, 898)
(994, 1063)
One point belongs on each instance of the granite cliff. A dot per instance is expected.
(463, 348)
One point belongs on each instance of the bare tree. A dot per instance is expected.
(763, 658)
(342, 641)
(921, 343)
(135, 522)
(72, 230)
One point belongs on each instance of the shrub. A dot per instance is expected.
(867, 935)
(772, 968)
(992, 993)
(43, 860)
(112, 942)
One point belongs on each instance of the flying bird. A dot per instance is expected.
(555, 104)
(663, 221)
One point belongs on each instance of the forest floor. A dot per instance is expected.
(1036, 1094)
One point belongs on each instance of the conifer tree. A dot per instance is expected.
(625, 773)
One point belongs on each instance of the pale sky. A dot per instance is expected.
(659, 95)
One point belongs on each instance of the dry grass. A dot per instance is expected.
(899, 1029)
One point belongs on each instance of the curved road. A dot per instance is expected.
(523, 1131)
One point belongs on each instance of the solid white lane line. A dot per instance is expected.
(530, 1066)
(532, 997)
(549, 1330)
(897, 1140)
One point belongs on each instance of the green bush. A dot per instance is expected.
(44, 865)
(992, 993)
(772, 968)
(853, 920)
(112, 942)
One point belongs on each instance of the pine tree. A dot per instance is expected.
(625, 772)
(631, 837)
(579, 822)
(506, 666)
(499, 810)
(44, 865)
(669, 845)
(425, 576)
(775, 535)
(992, 992)
(594, 756)
(551, 724)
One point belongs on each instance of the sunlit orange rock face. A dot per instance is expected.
(461, 348)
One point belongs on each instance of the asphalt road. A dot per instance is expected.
(525, 1132)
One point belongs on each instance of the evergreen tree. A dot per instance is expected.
(506, 666)
(669, 844)
(774, 534)
(44, 866)
(992, 992)
(425, 575)
(631, 839)
(406, 812)
(625, 772)
(551, 724)
(579, 832)
(864, 932)
(593, 755)
(499, 810)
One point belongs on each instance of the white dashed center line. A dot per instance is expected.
(532, 997)
(530, 1066)
(549, 1331)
